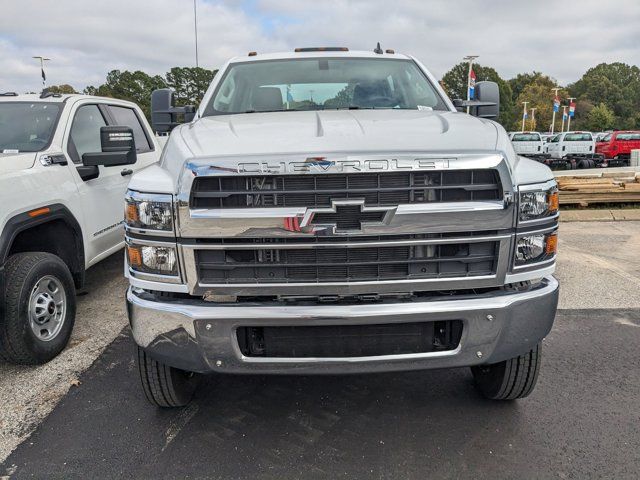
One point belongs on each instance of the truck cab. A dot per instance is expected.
(329, 211)
(527, 144)
(571, 144)
(616, 147)
(65, 161)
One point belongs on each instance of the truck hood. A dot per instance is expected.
(318, 132)
(13, 162)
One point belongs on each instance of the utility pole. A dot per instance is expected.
(533, 119)
(564, 114)
(42, 60)
(571, 99)
(470, 59)
(555, 106)
(524, 114)
(195, 28)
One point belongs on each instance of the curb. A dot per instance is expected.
(604, 215)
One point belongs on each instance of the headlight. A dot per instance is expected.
(538, 201)
(536, 248)
(155, 260)
(147, 211)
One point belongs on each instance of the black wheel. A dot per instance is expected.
(165, 386)
(40, 308)
(511, 379)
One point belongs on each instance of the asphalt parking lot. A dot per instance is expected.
(583, 419)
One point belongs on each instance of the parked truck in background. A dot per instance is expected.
(65, 161)
(616, 147)
(330, 211)
(527, 144)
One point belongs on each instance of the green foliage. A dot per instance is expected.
(190, 85)
(605, 89)
(62, 89)
(617, 85)
(455, 83)
(600, 118)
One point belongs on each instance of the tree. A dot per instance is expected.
(455, 83)
(189, 83)
(617, 85)
(62, 89)
(600, 118)
(539, 94)
(133, 86)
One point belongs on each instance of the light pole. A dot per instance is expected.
(555, 106)
(195, 29)
(564, 114)
(42, 60)
(533, 119)
(524, 114)
(470, 59)
(571, 99)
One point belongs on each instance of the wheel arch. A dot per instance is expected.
(50, 228)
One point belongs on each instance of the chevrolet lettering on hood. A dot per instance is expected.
(321, 164)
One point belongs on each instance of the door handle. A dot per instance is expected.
(126, 171)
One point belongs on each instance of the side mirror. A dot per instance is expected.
(486, 104)
(164, 115)
(488, 95)
(118, 148)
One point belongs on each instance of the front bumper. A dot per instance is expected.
(198, 336)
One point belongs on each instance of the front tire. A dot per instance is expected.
(165, 386)
(509, 380)
(40, 308)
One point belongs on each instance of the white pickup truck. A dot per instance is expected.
(330, 211)
(527, 144)
(65, 161)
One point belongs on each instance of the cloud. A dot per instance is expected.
(86, 39)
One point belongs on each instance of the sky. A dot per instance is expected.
(87, 38)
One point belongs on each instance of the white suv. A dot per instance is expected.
(65, 161)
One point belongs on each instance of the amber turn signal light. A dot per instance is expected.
(551, 246)
(131, 213)
(553, 201)
(134, 256)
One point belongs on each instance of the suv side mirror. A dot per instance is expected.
(118, 148)
(164, 115)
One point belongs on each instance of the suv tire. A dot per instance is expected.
(511, 379)
(165, 386)
(40, 308)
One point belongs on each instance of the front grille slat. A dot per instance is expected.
(264, 265)
(378, 189)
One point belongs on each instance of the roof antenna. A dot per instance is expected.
(378, 50)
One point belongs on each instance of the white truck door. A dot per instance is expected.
(100, 194)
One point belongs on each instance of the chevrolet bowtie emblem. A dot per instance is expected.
(346, 216)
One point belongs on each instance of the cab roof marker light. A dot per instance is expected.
(39, 211)
(253, 54)
(320, 49)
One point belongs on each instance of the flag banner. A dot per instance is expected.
(472, 84)
(44, 77)
(525, 115)
(564, 116)
(572, 109)
(289, 96)
(556, 104)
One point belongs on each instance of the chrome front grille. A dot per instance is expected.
(434, 225)
(377, 189)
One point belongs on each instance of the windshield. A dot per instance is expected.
(526, 137)
(27, 127)
(323, 84)
(578, 137)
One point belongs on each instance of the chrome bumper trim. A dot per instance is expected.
(198, 336)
